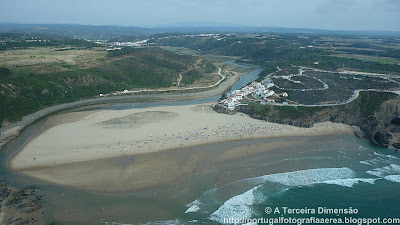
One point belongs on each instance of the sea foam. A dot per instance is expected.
(193, 208)
(240, 206)
(365, 163)
(362, 148)
(392, 157)
(236, 207)
(167, 222)
(378, 154)
(350, 182)
(392, 169)
(312, 176)
(393, 178)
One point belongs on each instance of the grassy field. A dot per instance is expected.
(219, 58)
(287, 70)
(44, 76)
(49, 59)
(180, 50)
(366, 58)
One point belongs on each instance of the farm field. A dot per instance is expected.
(365, 58)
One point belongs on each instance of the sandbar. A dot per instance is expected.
(112, 133)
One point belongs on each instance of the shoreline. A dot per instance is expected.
(167, 167)
(110, 133)
(195, 146)
(13, 130)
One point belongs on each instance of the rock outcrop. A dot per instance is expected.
(20, 207)
(375, 128)
(396, 130)
(373, 112)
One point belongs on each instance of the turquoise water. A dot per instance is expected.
(336, 172)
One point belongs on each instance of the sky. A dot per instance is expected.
(323, 14)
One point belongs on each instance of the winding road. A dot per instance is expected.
(175, 89)
(10, 131)
(354, 95)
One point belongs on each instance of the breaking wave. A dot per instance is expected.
(394, 178)
(350, 182)
(387, 170)
(240, 205)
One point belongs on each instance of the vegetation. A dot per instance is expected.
(72, 69)
(366, 58)
(24, 91)
(369, 102)
(21, 41)
(363, 107)
(340, 88)
(286, 112)
(287, 49)
(71, 31)
(4, 72)
(306, 83)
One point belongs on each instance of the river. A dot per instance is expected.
(335, 171)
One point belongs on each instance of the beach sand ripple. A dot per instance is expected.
(136, 120)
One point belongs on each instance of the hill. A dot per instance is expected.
(33, 78)
(373, 112)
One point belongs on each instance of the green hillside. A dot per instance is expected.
(46, 76)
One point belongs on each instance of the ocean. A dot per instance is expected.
(343, 173)
(323, 173)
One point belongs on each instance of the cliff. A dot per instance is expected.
(20, 206)
(373, 112)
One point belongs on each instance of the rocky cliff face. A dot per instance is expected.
(372, 112)
(375, 128)
(20, 207)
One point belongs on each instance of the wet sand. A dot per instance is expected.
(94, 150)
(113, 133)
(11, 131)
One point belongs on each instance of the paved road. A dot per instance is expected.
(175, 89)
(396, 92)
(355, 93)
(157, 95)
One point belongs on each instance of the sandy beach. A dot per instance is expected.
(79, 137)
(11, 131)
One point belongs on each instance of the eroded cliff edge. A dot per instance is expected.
(22, 207)
(374, 112)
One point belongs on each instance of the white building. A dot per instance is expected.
(235, 93)
(269, 100)
(248, 89)
(268, 93)
(284, 94)
(234, 97)
(231, 103)
(256, 84)
(270, 85)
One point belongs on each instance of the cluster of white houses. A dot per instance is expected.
(257, 89)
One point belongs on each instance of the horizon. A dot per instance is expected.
(178, 25)
(365, 15)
